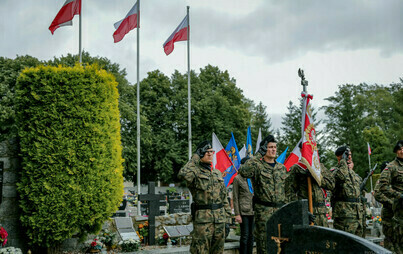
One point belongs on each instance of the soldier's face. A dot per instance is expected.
(350, 158)
(271, 150)
(399, 153)
(208, 156)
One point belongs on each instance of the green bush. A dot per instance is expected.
(71, 172)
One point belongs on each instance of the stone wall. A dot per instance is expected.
(9, 206)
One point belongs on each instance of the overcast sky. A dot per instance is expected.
(261, 43)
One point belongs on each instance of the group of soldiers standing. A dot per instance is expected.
(273, 187)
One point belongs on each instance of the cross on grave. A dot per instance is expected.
(153, 202)
(278, 239)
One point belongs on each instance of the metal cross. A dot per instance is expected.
(279, 240)
(304, 82)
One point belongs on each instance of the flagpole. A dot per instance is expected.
(304, 84)
(138, 106)
(369, 163)
(189, 97)
(79, 33)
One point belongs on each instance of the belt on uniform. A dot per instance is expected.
(351, 200)
(265, 203)
(209, 206)
(315, 204)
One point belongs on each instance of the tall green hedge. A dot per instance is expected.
(69, 130)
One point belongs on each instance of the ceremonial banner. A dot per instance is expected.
(66, 14)
(249, 150)
(369, 149)
(127, 24)
(309, 151)
(259, 139)
(233, 154)
(180, 34)
(242, 152)
(281, 157)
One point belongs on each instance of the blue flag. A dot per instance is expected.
(249, 150)
(282, 156)
(233, 154)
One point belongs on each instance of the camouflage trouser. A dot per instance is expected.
(207, 238)
(387, 230)
(349, 225)
(262, 215)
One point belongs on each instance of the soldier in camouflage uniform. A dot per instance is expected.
(346, 200)
(389, 189)
(210, 210)
(386, 215)
(268, 178)
(296, 188)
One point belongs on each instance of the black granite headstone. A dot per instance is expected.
(288, 230)
(179, 206)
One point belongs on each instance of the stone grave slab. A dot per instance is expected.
(125, 228)
(288, 231)
(172, 231)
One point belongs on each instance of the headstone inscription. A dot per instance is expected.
(126, 229)
(179, 206)
(153, 202)
(288, 231)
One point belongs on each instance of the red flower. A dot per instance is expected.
(93, 244)
(165, 236)
(4, 243)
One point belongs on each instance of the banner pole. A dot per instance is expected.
(79, 33)
(310, 203)
(189, 96)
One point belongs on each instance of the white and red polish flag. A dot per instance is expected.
(221, 161)
(66, 14)
(180, 34)
(294, 157)
(309, 151)
(127, 24)
(369, 149)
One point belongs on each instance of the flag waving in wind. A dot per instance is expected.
(66, 14)
(249, 150)
(127, 24)
(180, 34)
(369, 149)
(259, 139)
(309, 151)
(293, 157)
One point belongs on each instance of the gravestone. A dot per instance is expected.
(153, 202)
(179, 206)
(288, 231)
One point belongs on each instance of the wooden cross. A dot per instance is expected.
(279, 240)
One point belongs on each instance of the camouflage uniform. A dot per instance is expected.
(387, 191)
(386, 215)
(268, 186)
(296, 188)
(347, 208)
(207, 188)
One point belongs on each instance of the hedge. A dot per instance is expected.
(71, 171)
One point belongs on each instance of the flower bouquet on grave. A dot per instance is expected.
(95, 246)
(108, 238)
(377, 219)
(143, 231)
(129, 245)
(3, 236)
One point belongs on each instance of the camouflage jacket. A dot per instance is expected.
(268, 181)
(347, 187)
(296, 187)
(242, 196)
(389, 187)
(207, 187)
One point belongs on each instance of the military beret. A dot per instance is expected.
(267, 140)
(339, 151)
(202, 148)
(398, 145)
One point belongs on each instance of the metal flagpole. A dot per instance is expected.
(369, 163)
(79, 33)
(138, 106)
(189, 97)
